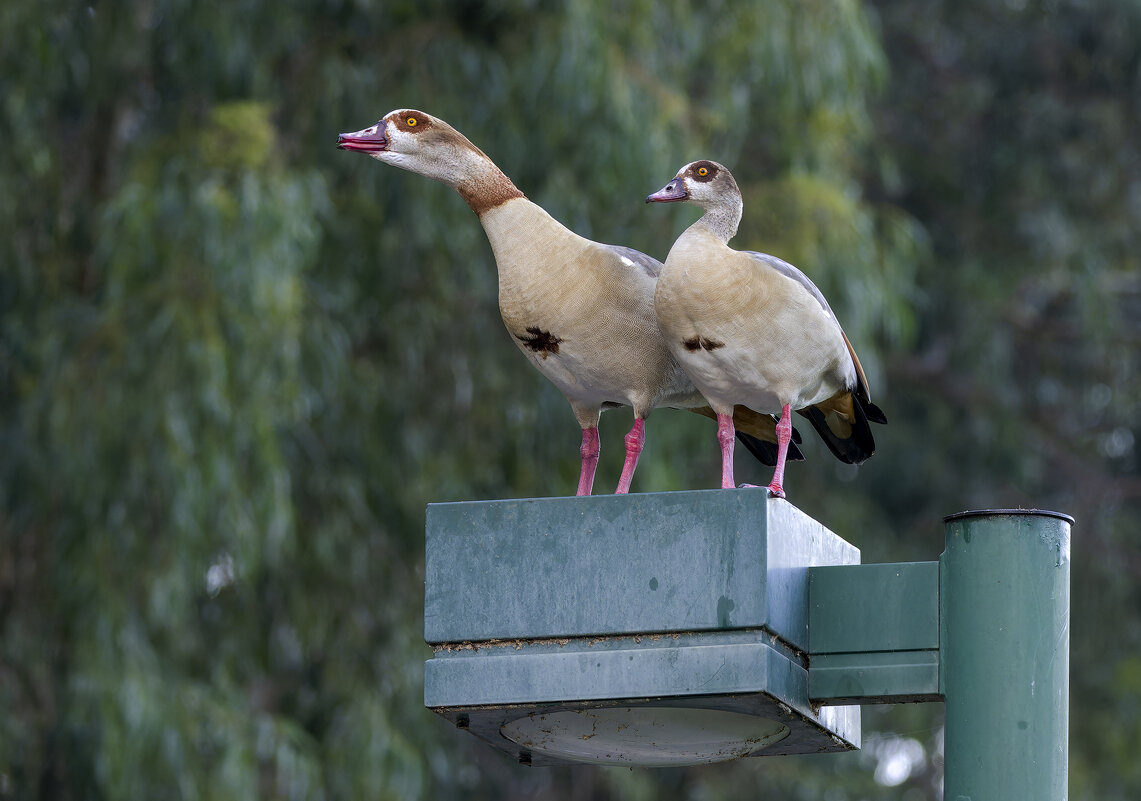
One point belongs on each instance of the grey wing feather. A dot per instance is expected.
(648, 264)
(786, 269)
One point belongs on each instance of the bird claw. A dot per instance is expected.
(774, 492)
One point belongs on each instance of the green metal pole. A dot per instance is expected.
(1005, 655)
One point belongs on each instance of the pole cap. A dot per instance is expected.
(1008, 512)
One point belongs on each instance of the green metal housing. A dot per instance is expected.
(875, 633)
(730, 600)
(683, 599)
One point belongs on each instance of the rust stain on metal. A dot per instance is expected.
(516, 644)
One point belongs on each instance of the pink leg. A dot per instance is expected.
(634, 441)
(589, 451)
(784, 436)
(725, 436)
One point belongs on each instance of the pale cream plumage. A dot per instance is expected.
(753, 330)
(580, 311)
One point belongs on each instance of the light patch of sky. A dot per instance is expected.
(220, 575)
(897, 759)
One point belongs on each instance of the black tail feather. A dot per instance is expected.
(766, 452)
(854, 449)
(873, 412)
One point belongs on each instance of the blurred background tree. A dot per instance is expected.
(235, 364)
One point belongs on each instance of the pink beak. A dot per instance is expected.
(369, 140)
(670, 193)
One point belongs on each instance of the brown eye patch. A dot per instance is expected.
(412, 121)
(703, 171)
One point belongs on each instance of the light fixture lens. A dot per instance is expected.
(649, 736)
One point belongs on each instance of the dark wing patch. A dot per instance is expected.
(698, 343)
(539, 341)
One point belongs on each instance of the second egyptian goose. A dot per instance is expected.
(753, 330)
(580, 311)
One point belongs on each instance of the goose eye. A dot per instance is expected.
(703, 171)
(411, 122)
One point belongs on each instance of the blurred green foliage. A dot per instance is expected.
(235, 363)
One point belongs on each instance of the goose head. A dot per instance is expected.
(712, 187)
(420, 143)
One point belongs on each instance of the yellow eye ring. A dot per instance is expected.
(411, 122)
(702, 171)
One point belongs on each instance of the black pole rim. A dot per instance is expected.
(1007, 513)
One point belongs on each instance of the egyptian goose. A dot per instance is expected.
(753, 330)
(581, 312)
